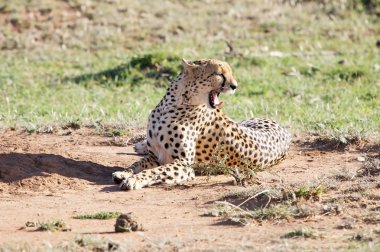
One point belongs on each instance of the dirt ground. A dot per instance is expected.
(56, 176)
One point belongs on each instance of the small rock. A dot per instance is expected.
(112, 246)
(332, 209)
(30, 224)
(361, 159)
(127, 223)
(346, 225)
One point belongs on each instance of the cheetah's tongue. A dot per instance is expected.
(217, 103)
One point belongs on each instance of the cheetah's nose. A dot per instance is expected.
(233, 86)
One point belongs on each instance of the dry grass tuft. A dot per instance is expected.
(261, 204)
(300, 233)
(370, 167)
(55, 225)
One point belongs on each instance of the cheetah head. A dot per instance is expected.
(205, 80)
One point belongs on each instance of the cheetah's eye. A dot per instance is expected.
(223, 78)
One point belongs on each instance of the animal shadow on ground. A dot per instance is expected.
(18, 166)
(333, 145)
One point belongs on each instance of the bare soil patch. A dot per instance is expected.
(57, 176)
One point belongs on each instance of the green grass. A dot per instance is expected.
(309, 192)
(98, 216)
(310, 66)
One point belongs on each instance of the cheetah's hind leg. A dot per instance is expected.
(141, 147)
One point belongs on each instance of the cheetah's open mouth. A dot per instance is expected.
(214, 99)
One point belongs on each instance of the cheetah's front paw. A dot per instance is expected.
(131, 184)
(120, 176)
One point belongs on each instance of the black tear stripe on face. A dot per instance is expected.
(224, 79)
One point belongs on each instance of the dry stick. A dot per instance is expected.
(230, 47)
(236, 207)
(239, 208)
(254, 196)
(269, 200)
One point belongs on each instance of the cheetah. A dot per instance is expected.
(188, 125)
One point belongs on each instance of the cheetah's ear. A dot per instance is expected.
(187, 65)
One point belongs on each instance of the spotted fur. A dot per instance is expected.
(186, 128)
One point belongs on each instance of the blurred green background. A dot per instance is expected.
(314, 66)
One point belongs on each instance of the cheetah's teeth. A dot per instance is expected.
(214, 99)
(219, 104)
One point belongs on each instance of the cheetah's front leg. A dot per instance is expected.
(178, 171)
(147, 162)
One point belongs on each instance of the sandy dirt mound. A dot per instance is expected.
(53, 162)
